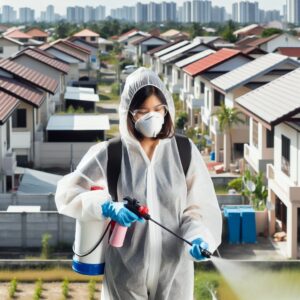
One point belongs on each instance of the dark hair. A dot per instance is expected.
(138, 99)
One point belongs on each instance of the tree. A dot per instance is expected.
(196, 30)
(227, 33)
(270, 31)
(228, 118)
(181, 120)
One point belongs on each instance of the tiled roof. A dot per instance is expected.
(210, 61)
(45, 58)
(74, 39)
(65, 50)
(86, 33)
(289, 51)
(146, 38)
(75, 46)
(247, 72)
(276, 101)
(36, 78)
(262, 41)
(35, 32)
(17, 34)
(8, 104)
(22, 91)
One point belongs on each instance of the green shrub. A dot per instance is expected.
(181, 120)
(236, 184)
(92, 289)
(115, 89)
(65, 288)
(38, 290)
(12, 288)
(45, 245)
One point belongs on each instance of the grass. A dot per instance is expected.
(46, 275)
(221, 189)
(113, 131)
(65, 288)
(38, 290)
(214, 281)
(12, 288)
(106, 95)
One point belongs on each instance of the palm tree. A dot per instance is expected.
(228, 118)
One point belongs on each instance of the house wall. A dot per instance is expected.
(294, 136)
(281, 41)
(9, 48)
(46, 70)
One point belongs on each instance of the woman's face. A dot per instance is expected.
(152, 103)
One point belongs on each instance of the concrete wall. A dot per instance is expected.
(25, 230)
(46, 202)
(59, 155)
(9, 48)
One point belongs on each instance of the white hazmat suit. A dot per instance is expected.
(152, 264)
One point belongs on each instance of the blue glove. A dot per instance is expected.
(119, 213)
(195, 250)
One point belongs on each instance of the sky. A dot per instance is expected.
(61, 5)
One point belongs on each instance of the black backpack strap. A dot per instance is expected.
(113, 169)
(185, 151)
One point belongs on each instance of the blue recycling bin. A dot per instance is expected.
(248, 234)
(233, 225)
(212, 155)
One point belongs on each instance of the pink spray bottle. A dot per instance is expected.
(119, 232)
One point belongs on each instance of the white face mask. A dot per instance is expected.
(150, 124)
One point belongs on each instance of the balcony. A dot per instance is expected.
(21, 140)
(9, 164)
(194, 103)
(289, 192)
(205, 115)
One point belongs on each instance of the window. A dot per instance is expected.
(179, 74)
(193, 82)
(1, 50)
(285, 154)
(19, 118)
(270, 138)
(255, 133)
(202, 87)
(93, 39)
(8, 134)
(218, 98)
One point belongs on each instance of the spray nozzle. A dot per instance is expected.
(134, 206)
(205, 252)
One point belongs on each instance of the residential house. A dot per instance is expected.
(145, 44)
(92, 47)
(202, 72)
(269, 44)
(38, 35)
(173, 34)
(8, 105)
(186, 86)
(88, 36)
(250, 30)
(9, 46)
(47, 64)
(169, 59)
(236, 83)
(156, 65)
(275, 108)
(72, 58)
(22, 37)
(35, 91)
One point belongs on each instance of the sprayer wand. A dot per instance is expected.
(143, 211)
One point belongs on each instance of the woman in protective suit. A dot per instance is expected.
(152, 264)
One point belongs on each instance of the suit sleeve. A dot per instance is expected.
(202, 216)
(74, 197)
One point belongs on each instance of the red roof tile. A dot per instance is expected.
(289, 51)
(74, 39)
(261, 41)
(22, 91)
(75, 46)
(86, 33)
(36, 32)
(45, 58)
(7, 106)
(17, 34)
(210, 61)
(36, 78)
